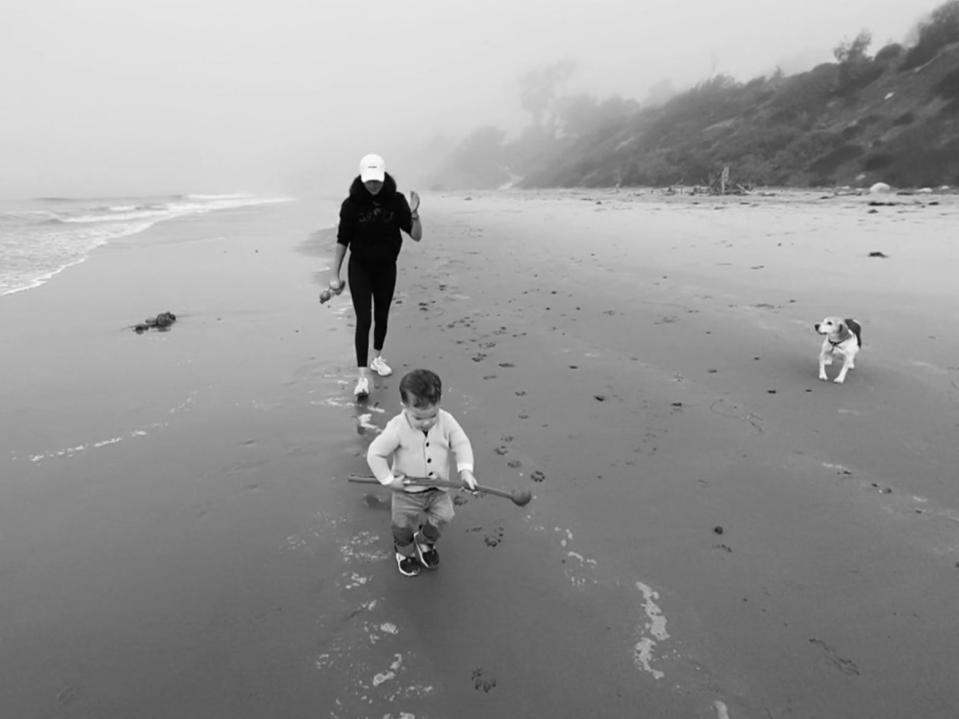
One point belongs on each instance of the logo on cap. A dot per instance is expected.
(372, 167)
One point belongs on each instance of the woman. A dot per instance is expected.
(371, 219)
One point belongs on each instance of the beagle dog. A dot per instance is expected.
(843, 338)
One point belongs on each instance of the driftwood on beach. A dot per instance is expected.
(721, 185)
(715, 185)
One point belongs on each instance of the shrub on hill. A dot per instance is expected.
(948, 86)
(911, 159)
(941, 29)
(805, 93)
(889, 52)
(877, 161)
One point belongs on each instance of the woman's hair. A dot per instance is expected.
(421, 388)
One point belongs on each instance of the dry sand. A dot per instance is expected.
(714, 532)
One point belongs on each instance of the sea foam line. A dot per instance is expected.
(391, 673)
(186, 404)
(70, 451)
(653, 632)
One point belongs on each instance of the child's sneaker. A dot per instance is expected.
(362, 388)
(427, 553)
(379, 366)
(408, 566)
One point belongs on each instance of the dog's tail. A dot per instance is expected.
(856, 330)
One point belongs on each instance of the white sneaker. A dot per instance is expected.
(362, 388)
(379, 366)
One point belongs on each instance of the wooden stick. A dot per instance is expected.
(519, 497)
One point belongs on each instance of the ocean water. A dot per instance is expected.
(41, 237)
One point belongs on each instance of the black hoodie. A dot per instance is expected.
(370, 224)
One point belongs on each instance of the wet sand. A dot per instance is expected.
(714, 532)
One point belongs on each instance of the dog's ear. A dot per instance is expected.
(855, 328)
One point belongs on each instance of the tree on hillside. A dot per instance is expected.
(853, 51)
(942, 27)
(540, 89)
(855, 68)
(933, 34)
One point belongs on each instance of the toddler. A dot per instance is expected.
(418, 444)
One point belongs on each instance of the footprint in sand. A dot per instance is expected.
(494, 537)
(840, 470)
(501, 450)
(514, 464)
(844, 665)
(733, 410)
(70, 694)
(483, 680)
(537, 476)
(577, 567)
(479, 357)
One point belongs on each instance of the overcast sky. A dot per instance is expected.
(140, 96)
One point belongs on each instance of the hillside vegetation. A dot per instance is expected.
(892, 117)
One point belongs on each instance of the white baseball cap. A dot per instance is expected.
(372, 167)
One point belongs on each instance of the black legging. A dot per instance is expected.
(371, 284)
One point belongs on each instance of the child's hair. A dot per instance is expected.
(421, 388)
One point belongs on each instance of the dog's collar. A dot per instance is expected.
(844, 335)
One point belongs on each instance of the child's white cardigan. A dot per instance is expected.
(402, 448)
